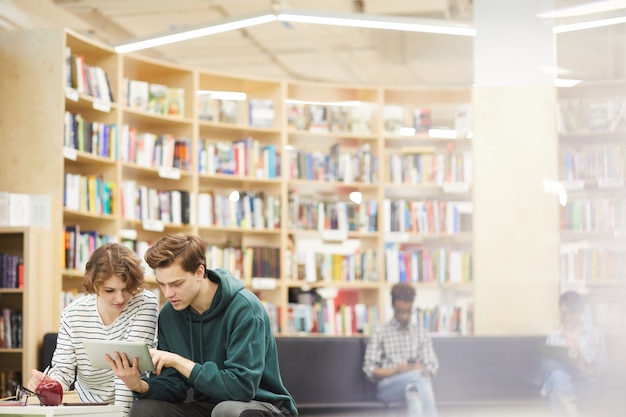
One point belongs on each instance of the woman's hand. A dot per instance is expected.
(36, 378)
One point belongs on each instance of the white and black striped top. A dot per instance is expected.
(80, 321)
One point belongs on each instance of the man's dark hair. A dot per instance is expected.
(402, 292)
(573, 301)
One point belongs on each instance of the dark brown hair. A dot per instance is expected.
(113, 259)
(188, 251)
(402, 292)
(573, 301)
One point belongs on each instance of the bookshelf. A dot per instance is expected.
(286, 181)
(593, 220)
(427, 200)
(23, 296)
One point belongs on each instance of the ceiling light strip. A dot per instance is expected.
(369, 21)
(295, 16)
(585, 9)
(225, 26)
(589, 25)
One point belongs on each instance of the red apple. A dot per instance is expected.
(49, 392)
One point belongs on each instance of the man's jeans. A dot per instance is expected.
(392, 390)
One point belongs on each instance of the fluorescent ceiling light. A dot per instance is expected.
(589, 25)
(370, 21)
(565, 82)
(223, 26)
(348, 103)
(299, 16)
(224, 95)
(585, 9)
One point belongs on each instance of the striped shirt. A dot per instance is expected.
(80, 321)
(390, 345)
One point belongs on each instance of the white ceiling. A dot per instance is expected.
(311, 52)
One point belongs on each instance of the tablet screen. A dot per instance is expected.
(96, 349)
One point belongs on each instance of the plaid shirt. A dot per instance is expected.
(389, 346)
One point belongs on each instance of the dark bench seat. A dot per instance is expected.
(326, 371)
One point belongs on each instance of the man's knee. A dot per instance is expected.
(143, 408)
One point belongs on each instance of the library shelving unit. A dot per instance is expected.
(294, 185)
(239, 186)
(593, 197)
(427, 200)
(24, 293)
(333, 191)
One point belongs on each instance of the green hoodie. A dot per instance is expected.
(233, 347)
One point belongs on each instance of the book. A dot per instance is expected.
(318, 118)
(361, 119)
(393, 118)
(296, 116)
(261, 112)
(157, 95)
(138, 95)
(175, 101)
(463, 120)
(229, 111)
(208, 109)
(421, 119)
(339, 119)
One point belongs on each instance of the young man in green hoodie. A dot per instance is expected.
(214, 337)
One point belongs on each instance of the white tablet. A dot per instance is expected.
(96, 349)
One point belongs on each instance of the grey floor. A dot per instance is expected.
(518, 410)
(615, 408)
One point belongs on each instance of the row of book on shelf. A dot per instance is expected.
(11, 271)
(246, 263)
(89, 194)
(349, 262)
(313, 266)
(427, 216)
(247, 157)
(249, 210)
(242, 158)
(346, 166)
(20, 209)
(355, 117)
(601, 163)
(154, 151)
(320, 118)
(581, 263)
(260, 111)
(154, 98)
(424, 265)
(86, 79)
(307, 213)
(11, 326)
(9, 381)
(97, 138)
(412, 167)
(599, 114)
(594, 215)
(341, 314)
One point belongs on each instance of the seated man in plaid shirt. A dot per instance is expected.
(400, 358)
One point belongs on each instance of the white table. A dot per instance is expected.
(73, 410)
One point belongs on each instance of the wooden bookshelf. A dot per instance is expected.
(303, 148)
(592, 172)
(24, 306)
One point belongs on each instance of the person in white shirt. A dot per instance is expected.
(118, 307)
